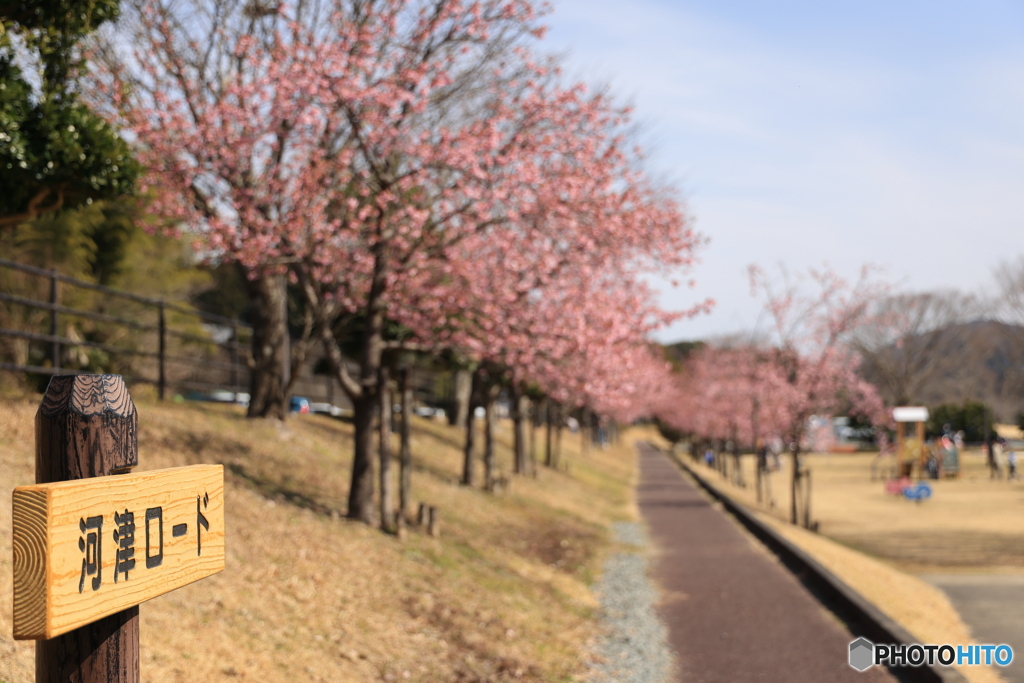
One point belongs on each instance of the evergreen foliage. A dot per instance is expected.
(55, 152)
(971, 416)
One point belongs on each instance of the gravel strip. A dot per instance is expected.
(634, 648)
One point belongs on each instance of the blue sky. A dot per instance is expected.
(803, 132)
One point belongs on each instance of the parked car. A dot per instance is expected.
(218, 396)
(429, 411)
(327, 409)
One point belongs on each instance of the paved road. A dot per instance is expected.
(991, 605)
(733, 613)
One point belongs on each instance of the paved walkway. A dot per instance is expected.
(991, 605)
(733, 613)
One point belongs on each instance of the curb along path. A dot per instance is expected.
(733, 613)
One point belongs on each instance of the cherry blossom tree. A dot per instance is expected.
(480, 279)
(406, 161)
(812, 327)
(805, 366)
(260, 123)
(221, 99)
(570, 331)
(317, 138)
(562, 293)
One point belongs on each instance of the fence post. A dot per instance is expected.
(86, 427)
(163, 350)
(54, 322)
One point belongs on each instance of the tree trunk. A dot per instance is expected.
(520, 410)
(468, 469)
(361, 490)
(534, 421)
(387, 488)
(360, 495)
(806, 485)
(758, 474)
(270, 349)
(559, 422)
(490, 419)
(405, 452)
(584, 431)
(549, 454)
(461, 396)
(756, 441)
(738, 471)
(796, 483)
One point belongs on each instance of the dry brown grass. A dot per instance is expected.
(970, 524)
(874, 542)
(502, 595)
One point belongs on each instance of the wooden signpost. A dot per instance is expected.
(88, 548)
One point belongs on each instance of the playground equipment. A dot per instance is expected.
(947, 457)
(911, 491)
(910, 450)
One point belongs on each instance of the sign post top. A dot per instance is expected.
(86, 426)
(87, 395)
(910, 414)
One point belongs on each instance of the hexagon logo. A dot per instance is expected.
(862, 654)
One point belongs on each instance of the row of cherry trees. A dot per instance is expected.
(768, 386)
(408, 165)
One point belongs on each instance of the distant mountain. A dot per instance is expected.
(982, 360)
(979, 360)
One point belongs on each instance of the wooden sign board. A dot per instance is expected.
(89, 548)
(910, 414)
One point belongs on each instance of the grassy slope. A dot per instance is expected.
(502, 595)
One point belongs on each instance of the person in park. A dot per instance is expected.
(933, 453)
(1011, 460)
(995, 459)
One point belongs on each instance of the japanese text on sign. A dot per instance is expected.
(91, 547)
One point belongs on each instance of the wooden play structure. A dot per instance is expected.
(909, 451)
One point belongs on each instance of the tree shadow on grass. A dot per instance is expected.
(277, 492)
(457, 444)
(675, 504)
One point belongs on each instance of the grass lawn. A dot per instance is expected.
(971, 523)
(503, 594)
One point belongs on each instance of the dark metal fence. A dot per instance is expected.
(54, 324)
